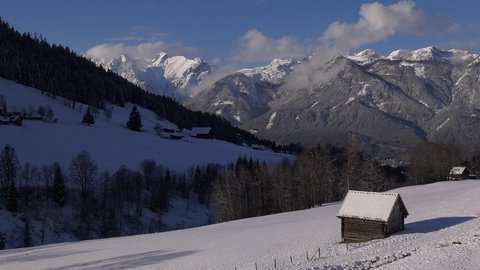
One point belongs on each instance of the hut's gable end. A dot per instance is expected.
(368, 205)
(371, 215)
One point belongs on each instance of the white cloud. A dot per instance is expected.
(215, 75)
(146, 50)
(377, 22)
(254, 46)
(471, 44)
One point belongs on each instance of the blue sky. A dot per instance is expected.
(247, 32)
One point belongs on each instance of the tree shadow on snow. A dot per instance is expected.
(35, 254)
(128, 261)
(434, 224)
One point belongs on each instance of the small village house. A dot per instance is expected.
(458, 173)
(201, 132)
(11, 119)
(371, 215)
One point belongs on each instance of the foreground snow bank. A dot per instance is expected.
(441, 233)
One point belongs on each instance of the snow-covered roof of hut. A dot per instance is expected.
(457, 170)
(369, 205)
(200, 130)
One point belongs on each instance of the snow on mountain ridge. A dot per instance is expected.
(167, 75)
(431, 54)
(182, 72)
(365, 56)
(273, 73)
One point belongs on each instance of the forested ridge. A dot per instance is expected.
(32, 61)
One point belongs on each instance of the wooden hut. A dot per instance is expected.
(201, 132)
(371, 215)
(458, 173)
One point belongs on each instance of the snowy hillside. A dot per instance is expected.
(109, 142)
(442, 232)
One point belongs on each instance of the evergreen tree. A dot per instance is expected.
(58, 193)
(88, 117)
(135, 120)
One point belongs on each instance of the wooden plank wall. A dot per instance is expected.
(356, 230)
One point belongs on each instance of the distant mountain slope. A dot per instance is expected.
(108, 140)
(390, 103)
(243, 95)
(441, 232)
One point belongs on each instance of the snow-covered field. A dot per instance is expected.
(109, 142)
(442, 232)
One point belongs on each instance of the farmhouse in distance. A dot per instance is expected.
(371, 215)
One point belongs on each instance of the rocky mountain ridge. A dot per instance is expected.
(389, 103)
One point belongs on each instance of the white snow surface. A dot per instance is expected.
(365, 56)
(423, 54)
(110, 143)
(271, 120)
(442, 232)
(368, 205)
(432, 53)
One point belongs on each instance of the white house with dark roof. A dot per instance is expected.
(371, 215)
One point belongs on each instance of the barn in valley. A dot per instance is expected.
(458, 173)
(201, 132)
(371, 215)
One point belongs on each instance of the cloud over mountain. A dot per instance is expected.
(146, 50)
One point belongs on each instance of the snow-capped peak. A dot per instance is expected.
(365, 56)
(431, 54)
(164, 74)
(273, 73)
(182, 72)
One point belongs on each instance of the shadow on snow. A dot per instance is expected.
(434, 224)
(128, 261)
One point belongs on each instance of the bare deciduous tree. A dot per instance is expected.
(83, 171)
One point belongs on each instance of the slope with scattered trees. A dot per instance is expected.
(32, 61)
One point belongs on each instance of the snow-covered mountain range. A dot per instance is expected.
(424, 94)
(164, 74)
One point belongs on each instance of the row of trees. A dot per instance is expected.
(104, 204)
(317, 176)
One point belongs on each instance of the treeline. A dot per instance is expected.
(88, 203)
(432, 161)
(324, 174)
(317, 176)
(32, 61)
